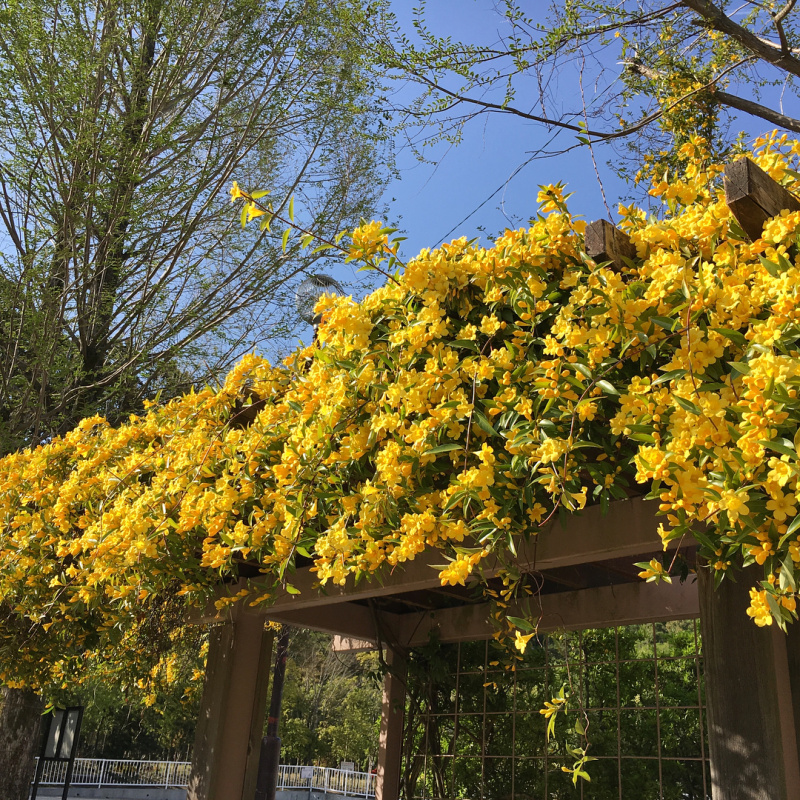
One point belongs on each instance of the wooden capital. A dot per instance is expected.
(753, 197)
(605, 242)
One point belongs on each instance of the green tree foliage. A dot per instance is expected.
(121, 126)
(331, 704)
(144, 717)
(642, 74)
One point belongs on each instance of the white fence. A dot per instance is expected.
(102, 772)
(324, 779)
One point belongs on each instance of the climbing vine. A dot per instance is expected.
(476, 396)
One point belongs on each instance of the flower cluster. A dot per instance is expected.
(455, 408)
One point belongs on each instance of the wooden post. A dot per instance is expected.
(752, 727)
(232, 711)
(390, 749)
(605, 242)
(753, 197)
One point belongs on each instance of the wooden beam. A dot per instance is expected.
(605, 242)
(621, 604)
(232, 711)
(390, 746)
(753, 197)
(345, 619)
(629, 529)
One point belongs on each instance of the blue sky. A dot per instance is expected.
(489, 182)
(486, 177)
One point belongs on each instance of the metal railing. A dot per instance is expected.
(100, 772)
(325, 779)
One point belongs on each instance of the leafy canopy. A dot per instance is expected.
(121, 127)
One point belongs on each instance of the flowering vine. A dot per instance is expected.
(474, 396)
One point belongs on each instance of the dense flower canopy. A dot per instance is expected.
(459, 406)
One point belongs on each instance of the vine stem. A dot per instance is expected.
(334, 245)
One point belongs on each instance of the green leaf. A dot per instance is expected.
(607, 387)
(787, 574)
(735, 336)
(291, 208)
(704, 540)
(773, 606)
(259, 194)
(484, 424)
(285, 240)
(674, 375)
(292, 589)
(770, 266)
(665, 322)
(740, 366)
(443, 448)
(783, 446)
(522, 624)
(688, 405)
(794, 525)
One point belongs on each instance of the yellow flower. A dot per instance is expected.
(253, 211)
(521, 640)
(237, 193)
(654, 571)
(782, 506)
(550, 197)
(368, 239)
(758, 609)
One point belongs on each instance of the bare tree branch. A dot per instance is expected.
(759, 47)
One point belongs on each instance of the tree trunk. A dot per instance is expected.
(20, 721)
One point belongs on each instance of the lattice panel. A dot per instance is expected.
(481, 737)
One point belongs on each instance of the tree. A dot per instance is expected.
(121, 126)
(331, 704)
(497, 684)
(645, 75)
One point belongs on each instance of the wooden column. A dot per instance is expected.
(232, 711)
(390, 752)
(752, 722)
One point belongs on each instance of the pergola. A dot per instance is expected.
(587, 580)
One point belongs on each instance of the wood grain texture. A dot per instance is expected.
(752, 745)
(604, 242)
(753, 197)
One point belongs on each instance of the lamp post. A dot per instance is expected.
(270, 758)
